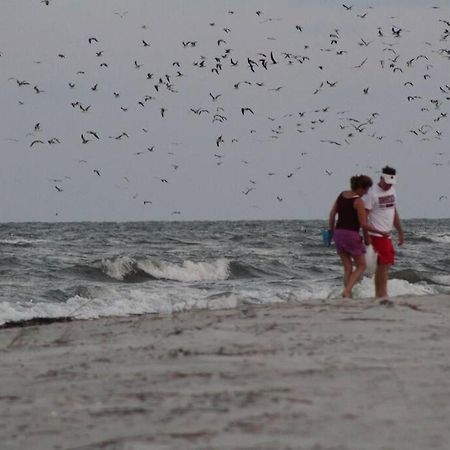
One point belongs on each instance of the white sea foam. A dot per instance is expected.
(396, 288)
(441, 279)
(440, 238)
(21, 241)
(137, 302)
(366, 289)
(117, 268)
(109, 302)
(121, 267)
(158, 300)
(188, 271)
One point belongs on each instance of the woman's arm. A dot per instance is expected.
(332, 217)
(362, 218)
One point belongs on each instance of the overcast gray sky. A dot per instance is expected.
(350, 91)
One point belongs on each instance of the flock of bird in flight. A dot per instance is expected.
(412, 72)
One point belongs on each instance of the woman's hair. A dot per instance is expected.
(360, 181)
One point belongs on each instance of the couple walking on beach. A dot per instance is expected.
(371, 208)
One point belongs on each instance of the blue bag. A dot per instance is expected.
(327, 236)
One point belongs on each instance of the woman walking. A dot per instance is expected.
(351, 217)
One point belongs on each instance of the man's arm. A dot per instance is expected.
(398, 227)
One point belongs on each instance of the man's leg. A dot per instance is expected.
(386, 255)
(381, 280)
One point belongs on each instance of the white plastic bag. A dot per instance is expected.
(371, 261)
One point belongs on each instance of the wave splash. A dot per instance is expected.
(87, 302)
(124, 268)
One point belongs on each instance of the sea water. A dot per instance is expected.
(88, 270)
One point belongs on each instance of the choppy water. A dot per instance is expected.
(100, 269)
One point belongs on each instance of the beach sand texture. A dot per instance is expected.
(323, 374)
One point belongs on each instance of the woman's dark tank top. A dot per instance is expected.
(347, 214)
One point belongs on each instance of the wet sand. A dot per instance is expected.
(329, 375)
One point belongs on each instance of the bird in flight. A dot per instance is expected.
(37, 141)
(93, 133)
(215, 97)
(360, 65)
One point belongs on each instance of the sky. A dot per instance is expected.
(331, 91)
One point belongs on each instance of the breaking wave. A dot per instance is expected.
(124, 268)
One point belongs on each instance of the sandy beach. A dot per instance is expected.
(323, 374)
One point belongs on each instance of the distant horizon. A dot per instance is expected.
(404, 219)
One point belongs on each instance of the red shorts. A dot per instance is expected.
(384, 249)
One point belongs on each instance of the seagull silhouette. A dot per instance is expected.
(215, 97)
(37, 141)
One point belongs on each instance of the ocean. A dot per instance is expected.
(89, 270)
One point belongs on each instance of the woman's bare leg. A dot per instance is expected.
(356, 274)
(348, 269)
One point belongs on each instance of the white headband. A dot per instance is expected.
(389, 179)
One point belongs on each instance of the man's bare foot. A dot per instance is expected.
(386, 302)
(346, 294)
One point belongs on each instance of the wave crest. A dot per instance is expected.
(124, 268)
(187, 271)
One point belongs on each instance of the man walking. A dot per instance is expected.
(380, 203)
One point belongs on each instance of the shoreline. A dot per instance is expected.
(321, 374)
